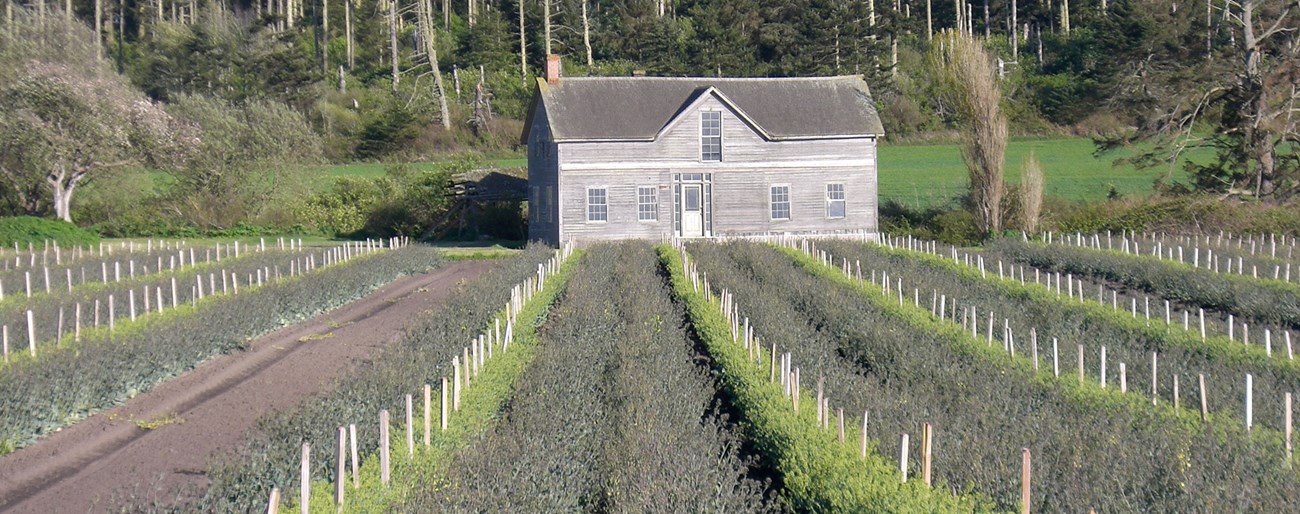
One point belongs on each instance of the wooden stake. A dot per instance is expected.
(444, 404)
(410, 428)
(1287, 415)
(304, 495)
(31, 333)
(862, 445)
(1250, 401)
(902, 457)
(1205, 413)
(428, 413)
(340, 466)
(839, 418)
(927, 441)
(273, 503)
(384, 448)
(356, 462)
(1024, 480)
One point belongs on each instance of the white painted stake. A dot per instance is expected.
(902, 457)
(31, 333)
(304, 496)
(1250, 403)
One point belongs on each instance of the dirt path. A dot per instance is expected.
(108, 456)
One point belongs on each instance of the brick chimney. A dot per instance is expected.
(552, 69)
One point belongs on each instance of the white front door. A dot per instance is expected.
(692, 210)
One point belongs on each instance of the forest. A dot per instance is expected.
(241, 93)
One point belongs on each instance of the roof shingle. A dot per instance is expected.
(636, 108)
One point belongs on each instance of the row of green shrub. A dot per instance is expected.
(243, 480)
(1128, 339)
(1093, 448)
(39, 396)
(482, 402)
(1261, 301)
(818, 473)
(613, 415)
(57, 310)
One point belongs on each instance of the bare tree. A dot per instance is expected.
(1031, 193)
(425, 11)
(523, 44)
(970, 83)
(586, 33)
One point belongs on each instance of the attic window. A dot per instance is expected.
(711, 136)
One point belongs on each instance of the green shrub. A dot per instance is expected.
(28, 229)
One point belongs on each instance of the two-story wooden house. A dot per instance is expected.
(662, 157)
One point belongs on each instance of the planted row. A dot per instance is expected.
(1037, 322)
(1096, 448)
(243, 480)
(822, 466)
(1261, 301)
(614, 414)
(64, 313)
(42, 395)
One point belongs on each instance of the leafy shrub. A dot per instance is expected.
(241, 481)
(1263, 301)
(818, 473)
(1127, 338)
(37, 231)
(39, 396)
(1093, 448)
(614, 412)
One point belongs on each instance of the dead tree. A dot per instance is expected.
(425, 25)
(523, 46)
(586, 33)
(392, 41)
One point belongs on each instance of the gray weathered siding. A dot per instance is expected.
(543, 175)
(750, 165)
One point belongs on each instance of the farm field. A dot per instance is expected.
(808, 376)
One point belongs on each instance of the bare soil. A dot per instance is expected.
(163, 440)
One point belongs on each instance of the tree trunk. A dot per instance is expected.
(1015, 33)
(347, 22)
(431, 50)
(325, 36)
(1065, 17)
(99, 27)
(929, 21)
(546, 25)
(446, 14)
(392, 41)
(62, 184)
(523, 44)
(586, 33)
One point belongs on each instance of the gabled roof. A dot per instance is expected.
(638, 108)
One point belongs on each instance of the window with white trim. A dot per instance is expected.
(711, 136)
(835, 204)
(597, 204)
(780, 202)
(647, 203)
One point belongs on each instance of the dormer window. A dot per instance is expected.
(711, 136)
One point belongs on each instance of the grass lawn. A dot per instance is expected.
(926, 175)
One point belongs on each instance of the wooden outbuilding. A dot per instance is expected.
(666, 157)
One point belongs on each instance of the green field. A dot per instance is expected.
(927, 175)
(923, 175)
